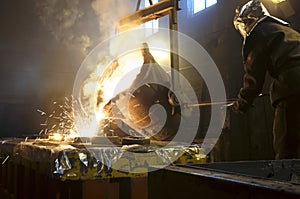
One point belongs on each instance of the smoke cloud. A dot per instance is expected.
(82, 24)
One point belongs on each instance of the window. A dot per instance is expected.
(153, 25)
(199, 5)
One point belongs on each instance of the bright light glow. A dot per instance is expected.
(277, 1)
(210, 3)
(109, 83)
(117, 75)
(71, 135)
(199, 5)
(56, 137)
(159, 55)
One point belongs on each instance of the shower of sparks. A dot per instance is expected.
(41, 112)
(5, 160)
(60, 122)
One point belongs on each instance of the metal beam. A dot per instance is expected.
(144, 15)
(173, 25)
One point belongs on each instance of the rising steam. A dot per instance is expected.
(82, 24)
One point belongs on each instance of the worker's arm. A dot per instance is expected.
(256, 60)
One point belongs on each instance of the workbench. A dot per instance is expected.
(37, 168)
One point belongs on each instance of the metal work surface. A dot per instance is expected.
(58, 169)
(200, 182)
(279, 170)
(71, 161)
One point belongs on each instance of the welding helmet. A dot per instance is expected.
(249, 15)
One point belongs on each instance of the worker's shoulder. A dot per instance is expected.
(267, 28)
(270, 27)
(270, 24)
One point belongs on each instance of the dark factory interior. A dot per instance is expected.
(62, 61)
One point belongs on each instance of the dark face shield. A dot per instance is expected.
(248, 16)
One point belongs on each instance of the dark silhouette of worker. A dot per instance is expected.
(270, 45)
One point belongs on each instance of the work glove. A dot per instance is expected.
(241, 106)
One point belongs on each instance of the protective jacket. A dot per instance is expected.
(275, 48)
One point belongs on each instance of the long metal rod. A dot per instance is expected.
(227, 103)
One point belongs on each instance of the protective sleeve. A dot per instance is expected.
(256, 62)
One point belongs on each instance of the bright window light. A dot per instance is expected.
(210, 3)
(200, 5)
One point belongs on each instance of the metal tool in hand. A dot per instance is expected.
(203, 104)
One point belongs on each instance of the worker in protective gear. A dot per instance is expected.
(270, 45)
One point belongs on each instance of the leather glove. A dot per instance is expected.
(241, 106)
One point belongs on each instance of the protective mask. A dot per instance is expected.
(248, 16)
